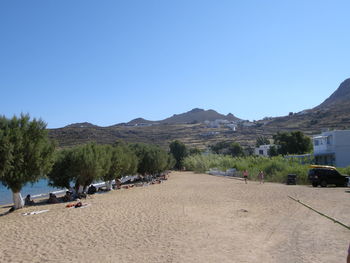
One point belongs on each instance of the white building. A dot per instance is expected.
(232, 126)
(332, 148)
(263, 150)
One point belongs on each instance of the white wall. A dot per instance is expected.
(340, 145)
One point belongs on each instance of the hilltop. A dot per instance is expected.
(199, 115)
(191, 127)
(333, 113)
(195, 115)
(340, 98)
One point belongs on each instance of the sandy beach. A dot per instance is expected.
(189, 218)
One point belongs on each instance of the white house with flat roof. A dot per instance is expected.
(263, 150)
(332, 148)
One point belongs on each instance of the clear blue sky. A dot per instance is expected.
(108, 62)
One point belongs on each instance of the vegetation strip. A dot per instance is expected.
(330, 218)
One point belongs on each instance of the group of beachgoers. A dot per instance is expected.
(72, 195)
(261, 176)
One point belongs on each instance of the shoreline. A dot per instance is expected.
(60, 193)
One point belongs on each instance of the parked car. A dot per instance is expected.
(324, 175)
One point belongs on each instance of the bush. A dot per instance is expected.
(276, 169)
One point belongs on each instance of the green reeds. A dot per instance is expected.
(276, 169)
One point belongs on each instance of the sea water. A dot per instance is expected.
(41, 189)
(37, 189)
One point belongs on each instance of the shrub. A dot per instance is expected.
(276, 169)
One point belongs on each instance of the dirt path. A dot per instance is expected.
(189, 218)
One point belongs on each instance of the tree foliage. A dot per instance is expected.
(228, 148)
(81, 165)
(123, 162)
(26, 153)
(84, 164)
(262, 140)
(292, 143)
(273, 151)
(193, 151)
(88, 163)
(152, 159)
(179, 151)
(61, 174)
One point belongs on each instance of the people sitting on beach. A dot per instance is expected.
(92, 190)
(118, 184)
(72, 191)
(81, 195)
(52, 199)
(28, 200)
(68, 197)
(163, 177)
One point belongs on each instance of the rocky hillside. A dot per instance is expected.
(340, 98)
(197, 116)
(333, 113)
(193, 116)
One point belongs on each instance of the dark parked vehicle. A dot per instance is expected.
(324, 175)
(291, 179)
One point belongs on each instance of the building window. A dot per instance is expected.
(261, 152)
(329, 139)
(316, 142)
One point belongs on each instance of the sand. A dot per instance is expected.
(189, 218)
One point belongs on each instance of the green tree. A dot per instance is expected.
(123, 161)
(228, 148)
(249, 150)
(26, 153)
(194, 151)
(272, 151)
(179, 151)
(88, 164)
(171, 162)
(262, 140)
(61, 174)
(235, 149)
(152, 159)
(221, 147)
(292, 143)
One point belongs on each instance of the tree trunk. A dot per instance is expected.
(109, 185)
(17, 200)
(80, 189)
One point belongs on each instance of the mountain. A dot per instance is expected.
(189, 127)
(197, 115)
(341, 97)
(333, 113)
(81, 125)
(139, 121)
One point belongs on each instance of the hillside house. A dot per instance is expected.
(263, 150)
(216, 123)
(231, 126)
(332, 148)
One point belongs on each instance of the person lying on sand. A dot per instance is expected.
(77, 204)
